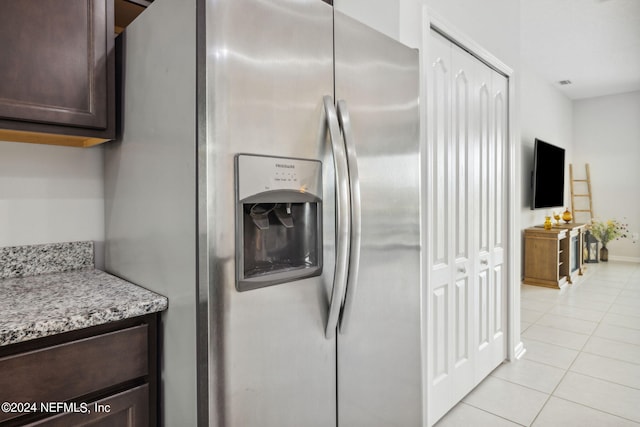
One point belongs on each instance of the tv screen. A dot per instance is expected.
(547, 176)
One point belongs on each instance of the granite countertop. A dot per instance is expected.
(70, 295)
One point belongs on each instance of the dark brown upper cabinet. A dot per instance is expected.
(57, 75)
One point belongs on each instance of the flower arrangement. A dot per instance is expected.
(609, 230)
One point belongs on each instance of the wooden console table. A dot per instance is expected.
(553, 257)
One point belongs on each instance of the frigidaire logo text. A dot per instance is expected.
(280, 165)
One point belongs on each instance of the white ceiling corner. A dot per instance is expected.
(593, 43)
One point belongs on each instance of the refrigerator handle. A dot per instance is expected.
(343, 208)
(356, 216)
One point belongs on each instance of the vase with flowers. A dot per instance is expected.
(606, 231)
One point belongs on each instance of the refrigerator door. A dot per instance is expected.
(379, 344)
(266, 360)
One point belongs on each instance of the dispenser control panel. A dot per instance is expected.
(258, 174)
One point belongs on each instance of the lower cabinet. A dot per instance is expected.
(553, 258)
(545, 257)
(103, 376)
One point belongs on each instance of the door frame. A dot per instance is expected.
(432, 21)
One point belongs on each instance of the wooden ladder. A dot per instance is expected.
(581, 209)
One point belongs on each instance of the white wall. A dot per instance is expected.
(493, 24)
(547, 114)
(607, 136)
(51, 194)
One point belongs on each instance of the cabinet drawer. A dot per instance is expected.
(127, 409)
(74, 369)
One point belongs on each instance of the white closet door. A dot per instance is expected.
(463, 131)
(451, 129)
(482, 220)
(440, 332)
(490, 221)
(467, 128)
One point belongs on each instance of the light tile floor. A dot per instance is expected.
(582, 362)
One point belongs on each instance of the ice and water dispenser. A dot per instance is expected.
(278, 220)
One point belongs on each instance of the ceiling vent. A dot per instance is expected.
(564, 82)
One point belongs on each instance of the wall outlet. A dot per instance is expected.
(635, 236)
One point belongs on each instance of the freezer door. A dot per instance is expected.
(379, 346)
(266, 362)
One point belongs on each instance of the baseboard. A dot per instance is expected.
(624, 258)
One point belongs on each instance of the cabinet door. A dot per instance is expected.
(127, 409)
(54, 70)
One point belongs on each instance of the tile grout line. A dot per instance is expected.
(613, 358)
(521, 385)
(570, 366)
(495, 415)
(594, 409)
(562, 330)
(592, 335)
(545, 363)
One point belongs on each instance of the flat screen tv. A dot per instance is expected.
(547, 178)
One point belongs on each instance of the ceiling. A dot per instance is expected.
(593, 43)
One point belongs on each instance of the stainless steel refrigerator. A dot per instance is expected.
(267, 180)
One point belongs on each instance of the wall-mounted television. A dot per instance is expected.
(547, 177)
